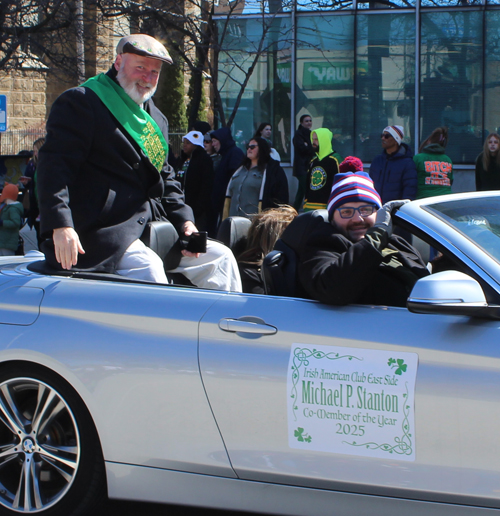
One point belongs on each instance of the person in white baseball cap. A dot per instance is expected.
(196, 176)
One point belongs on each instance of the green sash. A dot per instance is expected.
(135, 120)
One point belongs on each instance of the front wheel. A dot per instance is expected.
(50, 458)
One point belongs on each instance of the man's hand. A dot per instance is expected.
(384, 214)
(189, 228)
(67, 246)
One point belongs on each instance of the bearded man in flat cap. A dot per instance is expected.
(103, 175)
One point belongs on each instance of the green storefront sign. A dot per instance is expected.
(324, 75)
(329, 74)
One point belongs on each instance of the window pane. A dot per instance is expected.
(323, 5)
(385, 86)
(385, 4)
(449, 3)
(325, 75)
(266, 97)
(492, 72)
(451, 80)
(228, 7)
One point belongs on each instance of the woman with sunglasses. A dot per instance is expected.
(259, 183)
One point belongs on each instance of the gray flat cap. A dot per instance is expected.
(143, 45)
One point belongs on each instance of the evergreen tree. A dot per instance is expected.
(169, 97)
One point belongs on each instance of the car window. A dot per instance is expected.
(477, 221)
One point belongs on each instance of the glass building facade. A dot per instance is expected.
(358, 66)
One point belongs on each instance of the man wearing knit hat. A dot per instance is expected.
(354, 258)
(103, 175)
(394, 172)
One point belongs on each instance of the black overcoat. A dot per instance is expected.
(93, 176)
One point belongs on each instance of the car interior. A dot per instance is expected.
(279, 268)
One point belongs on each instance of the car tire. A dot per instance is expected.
(51, 462)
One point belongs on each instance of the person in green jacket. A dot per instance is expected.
(488, 165)
(322, 169)
(434, 167)
(11, 213)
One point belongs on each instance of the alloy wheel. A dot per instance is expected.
(39, 445)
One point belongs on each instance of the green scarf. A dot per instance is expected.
(136, 121)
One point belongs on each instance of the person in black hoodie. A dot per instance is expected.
(196, 176)
(231, 158)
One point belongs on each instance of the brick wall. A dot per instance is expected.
(26, 99)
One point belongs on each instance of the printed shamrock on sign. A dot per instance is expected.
(301, 436)
(399, 363)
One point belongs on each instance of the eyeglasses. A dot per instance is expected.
(346, 212)
(386, 136)
(251, 146)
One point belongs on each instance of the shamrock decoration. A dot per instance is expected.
(301, 436)
(399, 363)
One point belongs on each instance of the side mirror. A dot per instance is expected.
(448, 292)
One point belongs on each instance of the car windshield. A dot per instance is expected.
(477, 219)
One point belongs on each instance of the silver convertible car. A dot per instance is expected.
(261, 403)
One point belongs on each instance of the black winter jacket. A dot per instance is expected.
(336, 271)
(276, 187)
(303, 151)
(197, 182)
(231, 158)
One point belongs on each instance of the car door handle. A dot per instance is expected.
(247, 325)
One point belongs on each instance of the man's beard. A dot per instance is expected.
(355, 227)
(131, 90)
(351, 231)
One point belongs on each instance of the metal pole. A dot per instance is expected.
(293, 77)
(417, 76)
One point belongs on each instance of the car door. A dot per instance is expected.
(131, 352)
(357, 398)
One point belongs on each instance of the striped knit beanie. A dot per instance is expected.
(350, 187)
(396, 131)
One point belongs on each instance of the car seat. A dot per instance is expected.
(233, 232)
(280, 265)
(163, 239)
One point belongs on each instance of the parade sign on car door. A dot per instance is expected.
(352, 401)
